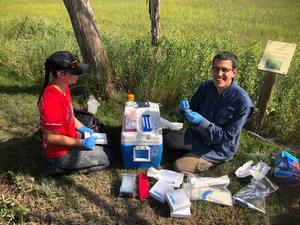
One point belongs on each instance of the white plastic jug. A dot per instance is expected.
(93, 104)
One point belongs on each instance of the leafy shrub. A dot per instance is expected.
(25, 45)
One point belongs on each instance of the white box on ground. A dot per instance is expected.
(178, 200)
(181, 213)
(160, 189)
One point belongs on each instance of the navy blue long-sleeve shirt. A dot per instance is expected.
(216, 138)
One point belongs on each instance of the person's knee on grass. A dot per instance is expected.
(191, 163)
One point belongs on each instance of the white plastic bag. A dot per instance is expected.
(93, 104)
(258, 171)
(170, 125)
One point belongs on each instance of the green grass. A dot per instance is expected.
(242, 21)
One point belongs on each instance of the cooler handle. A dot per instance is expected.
(140, 158)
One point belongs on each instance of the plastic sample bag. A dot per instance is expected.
(253, 195)
(258, 171)
(217, 194)
(209, 189)
(209, 181)
(168, 176)
(127, 187)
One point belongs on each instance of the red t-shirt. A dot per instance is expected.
(56, 114)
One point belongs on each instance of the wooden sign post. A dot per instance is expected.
(276, 59)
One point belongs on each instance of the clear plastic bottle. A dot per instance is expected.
(130, 119)
(130, 114)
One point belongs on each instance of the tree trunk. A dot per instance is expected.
(90, 43)
(154, 12)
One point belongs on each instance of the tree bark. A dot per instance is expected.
(154, 12)
(90, 43)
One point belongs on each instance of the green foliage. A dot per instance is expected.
(248, 76)
(26, 43)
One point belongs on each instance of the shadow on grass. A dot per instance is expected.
(21, 155)
(24, 155)
(129, 215)
(288, 200)
(17, 89)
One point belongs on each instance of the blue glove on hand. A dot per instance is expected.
(184, 105)
(193, 117)
(89, 143)
(84, 129)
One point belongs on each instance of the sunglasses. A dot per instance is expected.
(216, 69)
(73, 64)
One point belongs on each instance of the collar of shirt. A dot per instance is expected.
(227, 91)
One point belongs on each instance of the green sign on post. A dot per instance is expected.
(276, 59)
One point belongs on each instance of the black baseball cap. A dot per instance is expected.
(64, 60)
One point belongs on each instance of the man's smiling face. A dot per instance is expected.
(223, 74)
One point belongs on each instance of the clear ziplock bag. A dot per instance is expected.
(253, 195)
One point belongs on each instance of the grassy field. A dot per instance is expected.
(29, 198)
(243, 21)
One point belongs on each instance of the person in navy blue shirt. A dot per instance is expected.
(218, 110)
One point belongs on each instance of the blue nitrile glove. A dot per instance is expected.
(89, 143)
(184, 105)
(84, 129)
(193, 117)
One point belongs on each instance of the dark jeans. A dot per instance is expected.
(79, 158)
(177, 139)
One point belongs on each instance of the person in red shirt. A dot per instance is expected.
(62, 143)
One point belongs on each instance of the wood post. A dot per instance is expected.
(264, 97)
(154, 12)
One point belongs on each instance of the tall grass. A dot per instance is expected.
(241, 21)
